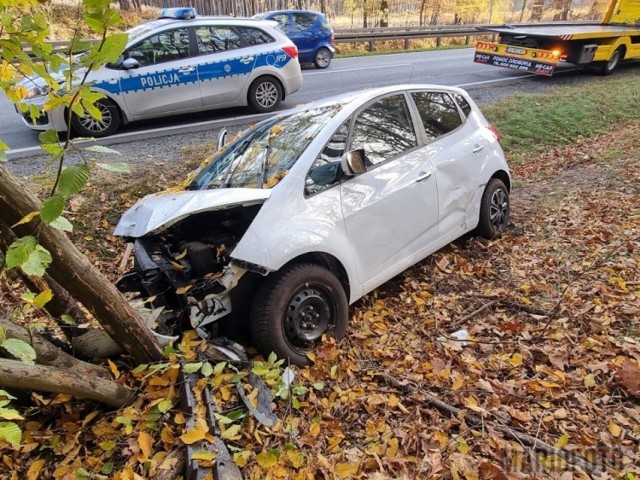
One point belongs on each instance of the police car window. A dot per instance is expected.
(216, 39)
(302, 21)
(161, 47)
(384, 130)
(325, 170)
(255, 36)
(438, 112)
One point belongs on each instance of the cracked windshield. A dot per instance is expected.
(263, 157)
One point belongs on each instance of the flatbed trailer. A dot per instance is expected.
(539, 48)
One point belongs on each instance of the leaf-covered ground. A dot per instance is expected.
(537, 332)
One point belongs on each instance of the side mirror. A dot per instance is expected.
(222, 138)
(130, 63)
(353, 163)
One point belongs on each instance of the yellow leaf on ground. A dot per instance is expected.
(589, 380)
(614, 429)
(34, 469)
(193, 436)
(562, 441)
(266, 459)
(346, 470)
(315, 429)
(515, 360)
(145, 441)
(114, 369)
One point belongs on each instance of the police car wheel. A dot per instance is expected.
(87, 126)
(265, 94)
(322, 58)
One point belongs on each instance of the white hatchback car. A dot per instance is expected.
(182, 63)
(308, 211)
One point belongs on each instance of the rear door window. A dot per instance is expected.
(255, 36)
(217, 39)
(438, 112)
(303, 21)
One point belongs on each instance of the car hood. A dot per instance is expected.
(159, 211)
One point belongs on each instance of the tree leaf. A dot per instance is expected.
(266, 459)
(52, 208)
(146, 444)
(27, 218)
(48, 136)
(118, 167)
(10, 432)
(10, 414)
(34, 469)
(37, 262)
(192, 367)
(42, 298)
(72, 179)
(193, 436)
(20, 350)
(67, 319)
(206, 370)
(19, 251)
(204, 455)
(102, 149)
(61, 223)
(165, 405)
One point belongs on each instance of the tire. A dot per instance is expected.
(494, 210)
(294, 308)
(265, 94)
(88, 126)
(608, 67)
(322, 58)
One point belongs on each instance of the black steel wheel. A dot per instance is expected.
(494, 210)
(87, 126)
(265, 94)
(294, 308)
(322, 58)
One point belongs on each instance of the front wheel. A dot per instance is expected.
(88, 126)
(294, 308)
(494, 210)
(265, 94)
(322, 58)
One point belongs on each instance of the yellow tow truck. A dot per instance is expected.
(539, 48)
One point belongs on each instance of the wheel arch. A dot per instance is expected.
(504, 177)
(268, 75)
(327, 261)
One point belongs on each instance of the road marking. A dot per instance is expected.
(361, 68)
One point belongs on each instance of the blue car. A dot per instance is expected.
(310, 31)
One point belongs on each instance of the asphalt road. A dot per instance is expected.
(445, 67)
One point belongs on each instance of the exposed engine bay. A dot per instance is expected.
(187, 271)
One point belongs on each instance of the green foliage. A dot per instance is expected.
(19, 349)
(532, 122)
(32, 258)
(11, 433)
(72, 179)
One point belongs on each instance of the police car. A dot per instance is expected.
(183, 63)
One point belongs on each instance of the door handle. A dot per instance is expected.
(187, 69)
(246, 60)
(477, 148)
(423, 176)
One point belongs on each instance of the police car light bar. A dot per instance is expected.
(179, 13)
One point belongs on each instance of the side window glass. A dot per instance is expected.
(283, 21)
(438, 112)
(302, 21)
(325, 171)
(161, 47)
(384, 130)
(463, 104)
(255, 36)
(216, 39)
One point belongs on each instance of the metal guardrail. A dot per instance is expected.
(372, 35)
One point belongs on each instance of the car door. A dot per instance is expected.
(456, 151)
(391, 210)
(166, 80)
(226, 61)
(303, 35)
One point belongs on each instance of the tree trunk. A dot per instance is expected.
(49, 354)
(73, 271)
(16, 374)
(61, 303)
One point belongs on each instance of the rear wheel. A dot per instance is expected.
(322, 58)
(494, 210)
(265, 94)
(87, 126)
(608, 67)
(294, 308)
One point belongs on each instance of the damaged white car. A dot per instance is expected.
(308, 211)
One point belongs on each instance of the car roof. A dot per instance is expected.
(206, 20)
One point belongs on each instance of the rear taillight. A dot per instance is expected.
(495, 131)
(291, 50)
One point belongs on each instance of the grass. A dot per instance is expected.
(533, 122)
